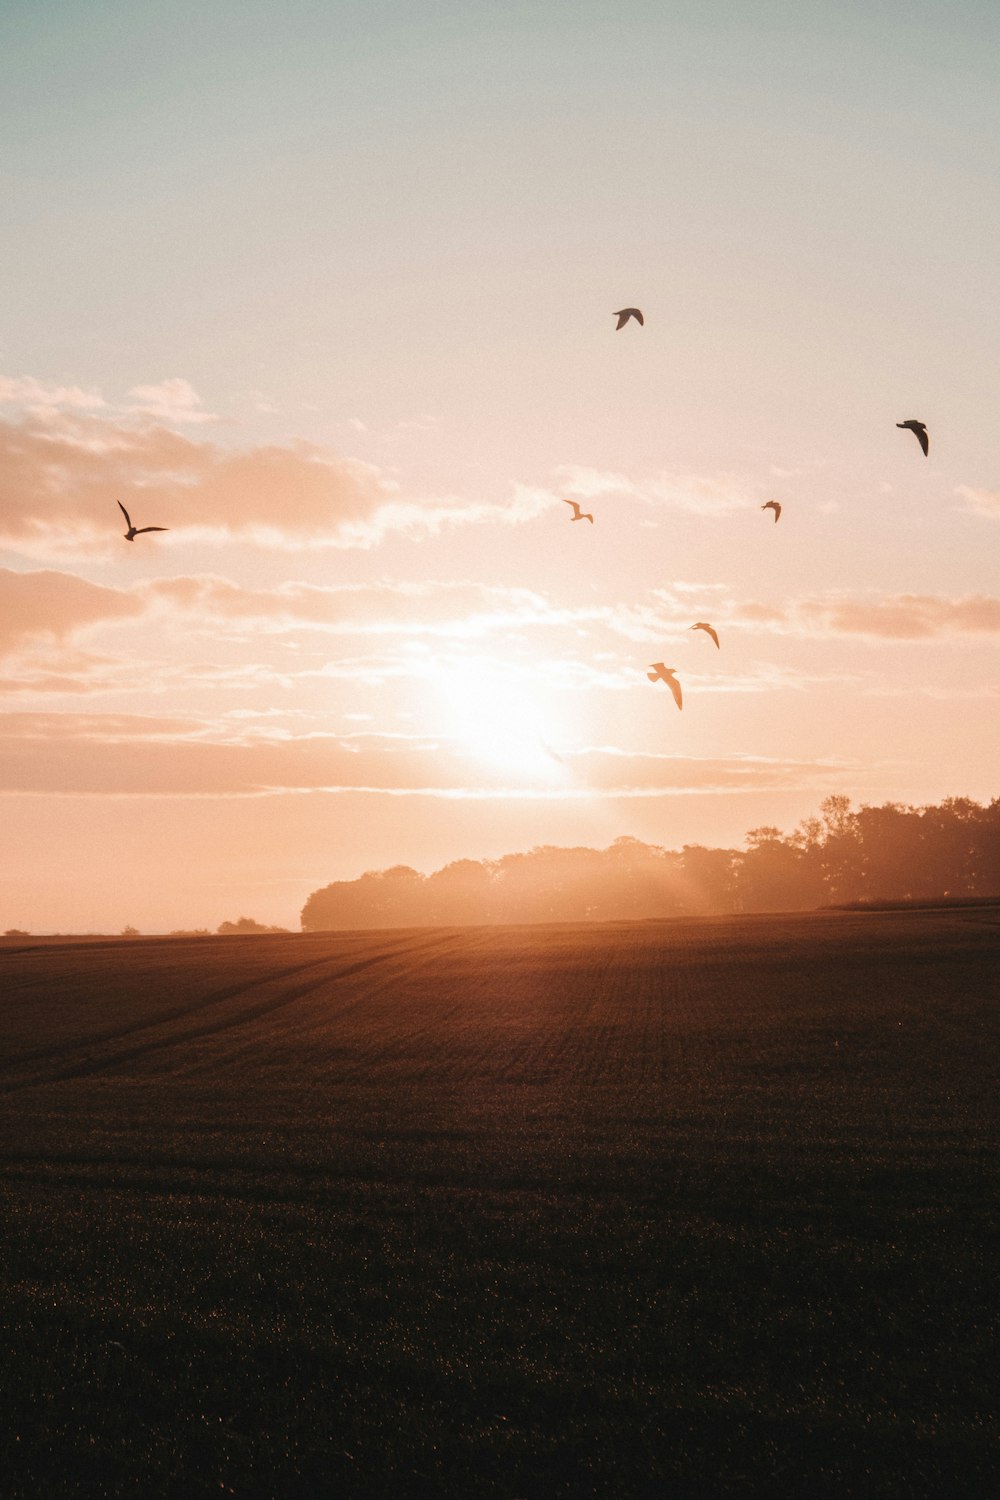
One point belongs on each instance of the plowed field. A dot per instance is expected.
(689, 1208)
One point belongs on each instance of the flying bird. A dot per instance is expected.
(578, 514)
(704, 625)
(660, 673)
(774, 505)
(919, 430)
(624, 313)
(134, 531)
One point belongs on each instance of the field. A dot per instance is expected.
(695, 1208)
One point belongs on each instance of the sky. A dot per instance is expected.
(327, 290)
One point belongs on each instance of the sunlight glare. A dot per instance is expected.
(501, 720)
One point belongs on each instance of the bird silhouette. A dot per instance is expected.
(134, 531)
(578, 514)
(660, 673)
(624, 313)
(919, 430)
(704, 625)
(774, 505)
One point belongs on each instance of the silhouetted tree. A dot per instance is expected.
(890, 852)
(770, 873)
(709, 879)
(462, 893)
(245, 925)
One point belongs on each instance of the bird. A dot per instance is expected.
(661, 673)
(919, 430)
(578, 514)
(624, 313)
(774, 505)
(704, 625)
(134, 531)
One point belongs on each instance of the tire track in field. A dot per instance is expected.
(174, 1013)
(161, 1018)
(403, 1020)
(91, 1065)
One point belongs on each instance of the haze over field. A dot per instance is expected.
(329, 292)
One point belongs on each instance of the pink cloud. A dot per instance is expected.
(62, 480)
(60, 477)
(699, 494)
(52, 604)
(893, 617)
(173, 400)
(760, 614)
(25, 391)
(905, 617)
(131, 754)
(418, 608)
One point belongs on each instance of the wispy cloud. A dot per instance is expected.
(60, 475)
(61, 602)
(894, 617)
(47, 603)
(173, 400)
(134, 754)
(698, 494)
(27, 393)
(980, 502)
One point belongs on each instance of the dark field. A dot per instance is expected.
(692, 1208)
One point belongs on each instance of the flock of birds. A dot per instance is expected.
(658, 672)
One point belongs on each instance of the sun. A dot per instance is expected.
(502, 718)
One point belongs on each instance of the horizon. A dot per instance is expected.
(900, 874)
(260, 292)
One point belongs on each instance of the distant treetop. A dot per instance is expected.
(244, 925)
(872, 854)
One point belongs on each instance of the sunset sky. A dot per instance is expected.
(327, 289)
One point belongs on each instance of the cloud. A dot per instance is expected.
(386, 608)
(56, 605)
(456, 611)
(26, 392)
(895, 617)
(698, 494)
(173, 400)
(58, 602)
(60, 477)
(908, 616)
(59, 482)
(60, 671)
(980, 502)
(143, 755)
(761, 614)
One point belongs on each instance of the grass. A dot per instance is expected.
(692, 1208)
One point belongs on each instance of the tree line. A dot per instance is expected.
(843, 855)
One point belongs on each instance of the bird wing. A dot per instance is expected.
(140, 529)
(622, 320)
(589, 518)
(713, 633)
(658, 671)
(576, 508)
(675, 688)
(637, 315)
(919, 430)
(125, 513)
